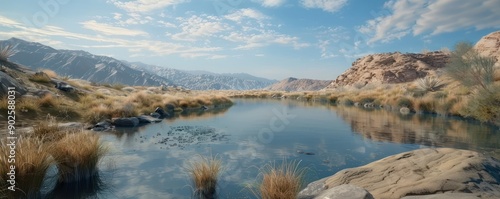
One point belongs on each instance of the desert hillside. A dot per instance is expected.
(294, 84)
(391, 68)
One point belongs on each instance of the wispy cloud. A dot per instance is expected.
(196, 27)
(142, 6)
(241, 14)
(326, 5)
(111, 30)
(270, 3)
(433, 17)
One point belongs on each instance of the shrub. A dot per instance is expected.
(204, 174)
(429, 83)
(485, 105)
(469, 68)
(279, 182)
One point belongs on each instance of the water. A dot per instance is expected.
(150, 161)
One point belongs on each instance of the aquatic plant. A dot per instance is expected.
(204, 173)
(77, 156)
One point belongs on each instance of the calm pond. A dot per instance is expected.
(150, 161)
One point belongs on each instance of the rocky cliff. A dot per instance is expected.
(391, 68)
(489, 45)
(294, 84)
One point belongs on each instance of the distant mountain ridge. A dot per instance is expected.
(102, 69)
(203, 80)
(80, 64)
(294, 84)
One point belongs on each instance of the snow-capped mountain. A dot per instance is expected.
(203, 80)
(102, 69)
(80, 64)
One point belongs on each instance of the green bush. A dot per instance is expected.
(485, 105)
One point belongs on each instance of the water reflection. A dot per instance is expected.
(381, 125)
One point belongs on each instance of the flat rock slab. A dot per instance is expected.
(446, 196)
(425, 172)
(345, 191)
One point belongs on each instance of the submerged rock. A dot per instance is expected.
(145, 119)
(423, 172)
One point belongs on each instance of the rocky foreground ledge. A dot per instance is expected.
(420, 174)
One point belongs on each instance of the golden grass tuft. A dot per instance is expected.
(77, 156)
(50, 73)
(28, 105)
(48, 100)
(32, 163)
(280, 182)
(6, 52)
(204, 173)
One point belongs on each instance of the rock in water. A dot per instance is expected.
(425, 172)
(126, 122)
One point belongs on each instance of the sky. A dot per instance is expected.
(276, 39)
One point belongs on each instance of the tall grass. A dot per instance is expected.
(204, 173)
(429, 83)
(77, 156)
(281, 182)
(32, 162)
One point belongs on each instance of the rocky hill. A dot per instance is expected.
(294, 84)
(202, 80)
(80, 64)
(391, 68)
(489, 45)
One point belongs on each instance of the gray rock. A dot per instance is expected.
(160, 111)
(313, 189)
(155, 115)
(345, 191)
(64, 87)
(445, 196)
(7, 81)
(126, 122)
(145, 119)
(102, 126)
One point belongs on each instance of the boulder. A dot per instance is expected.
(7, 81)
(145, 119)
(423, 172)
(489, 45)
(102, 126)
(64, 87)
(126, 122)
(160, 111)
(345, 191)
(445, 196)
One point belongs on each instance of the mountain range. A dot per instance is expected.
(103, 69)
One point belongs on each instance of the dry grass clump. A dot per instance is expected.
(204, 173)
(32, 163)
(48, 100)
(50, 73)
(6, 52)
(40, 77)
(48, 131)
(28, 105)
(98, 113)
(77, 156)
(280, 182)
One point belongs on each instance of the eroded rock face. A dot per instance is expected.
(425, 172)
(391, 68)
(489, 45)
(294, 84)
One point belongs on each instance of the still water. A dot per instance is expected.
(150, 161)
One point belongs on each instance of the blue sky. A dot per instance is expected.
(317, 39)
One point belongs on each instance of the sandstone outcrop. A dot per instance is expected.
(391, 68)
(422, 172)
(489, 45)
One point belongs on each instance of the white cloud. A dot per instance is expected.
(245, 13)
(111, 30)
(265, 38)
(142, 6)
(196, 27)
(432, 17)
(326, 5)
(117, 16)
(270, 3)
